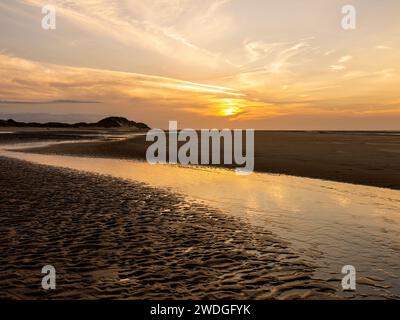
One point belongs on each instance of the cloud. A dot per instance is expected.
(147, 24)
(49, 117)
(28, 82)
(275, 57)
(381, 47)
(337, 68)
(328, 53)
(345, 59)
(68, 101)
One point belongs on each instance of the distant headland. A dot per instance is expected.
(109, 122)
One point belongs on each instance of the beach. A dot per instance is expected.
(115, 227)
(366, 158)
(115, 239)
(199, 157)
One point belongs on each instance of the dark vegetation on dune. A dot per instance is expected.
(110, 122)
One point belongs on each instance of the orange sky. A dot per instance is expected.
(222, 63)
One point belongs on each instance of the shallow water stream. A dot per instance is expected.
(330, 224)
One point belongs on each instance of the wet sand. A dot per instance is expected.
(366, 158)
(10, 135)
(18, 135)
(116, 239)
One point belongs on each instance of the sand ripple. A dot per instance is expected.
(114, 239)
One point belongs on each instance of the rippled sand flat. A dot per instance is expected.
(110, 238)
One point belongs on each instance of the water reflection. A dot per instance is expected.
(331, 224)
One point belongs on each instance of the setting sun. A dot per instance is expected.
(230, 111)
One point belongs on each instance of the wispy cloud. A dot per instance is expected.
(336, 67)
(69, 101)
(382, 47)
(148, 24)
(28, 82)
(345, 59)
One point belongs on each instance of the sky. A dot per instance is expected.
(259, 64)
